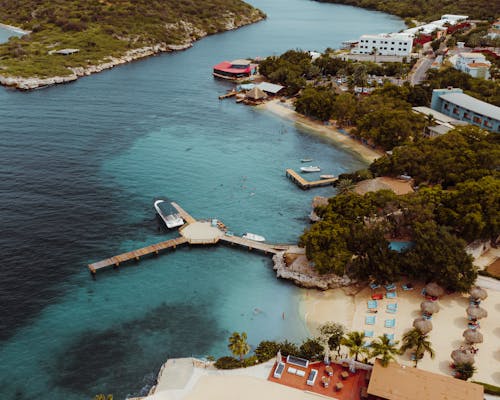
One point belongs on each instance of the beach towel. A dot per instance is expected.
(391, 295)
(390, 323)
(370, 320)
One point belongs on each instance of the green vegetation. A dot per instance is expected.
(462, 205)
(355, 341)
(415, 340)
(490, 389)
(428, 10)
(385, 348)
(102, 29)
(238, 344)
(465, 371)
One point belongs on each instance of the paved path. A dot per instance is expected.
(420, 70)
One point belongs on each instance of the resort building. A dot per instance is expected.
(454, 103)
(494, 31)
(397, 382)
(474, 64)
(235, 69)
(385, 44)
(441, 123)
(441, 25)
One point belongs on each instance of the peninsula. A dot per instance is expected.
(70, 39)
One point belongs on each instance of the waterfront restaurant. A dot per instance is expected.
(398, 382)
(235, 69)
(458, 105)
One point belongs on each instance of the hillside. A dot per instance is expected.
(427, 10)
(104, 30)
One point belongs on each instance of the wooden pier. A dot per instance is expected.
(305, 184)
(137, 254)
(232, 93)
(193, 232)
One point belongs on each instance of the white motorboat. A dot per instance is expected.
(254, 237)
(171, 219)
(311, 168)
(326, 176)
(306, 160)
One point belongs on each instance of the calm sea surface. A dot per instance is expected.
(80, 168)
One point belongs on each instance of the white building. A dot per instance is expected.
(474, 64)
(438, 25)
(385, 44)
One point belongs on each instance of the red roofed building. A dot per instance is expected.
(235, 69)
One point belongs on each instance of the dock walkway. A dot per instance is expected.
(305, 184)
(137, 254)
(193, 232)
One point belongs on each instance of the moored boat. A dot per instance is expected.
(311, 168)
(306, 160)
(254, 237)
(172, 219)
(327, 176)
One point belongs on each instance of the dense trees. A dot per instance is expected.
(238, 344)
(428, 10)
(353, 234)
(316, 102)
(462, 154)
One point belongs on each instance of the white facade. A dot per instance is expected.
(474, 64)
(385, 44)
(437, 25)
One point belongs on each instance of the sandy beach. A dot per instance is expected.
(285, 110)
(449, 324)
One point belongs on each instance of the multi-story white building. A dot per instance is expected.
(474, 64)
(385, 44)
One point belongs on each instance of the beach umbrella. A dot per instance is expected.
(433, 289)
(326, 360)
(429, 307)
(477, 312)
(478, 293)
(423, 325)
(278, 357)
(256, 94)
(462, 356)
(473, 336)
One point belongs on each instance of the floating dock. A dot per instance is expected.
(193, 232)
(305, 184)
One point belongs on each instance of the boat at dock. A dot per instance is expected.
(254, 237)
(171, 218)
(327, 176)
(306, 160)
(311, 168)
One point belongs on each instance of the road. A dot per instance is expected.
(420, 70)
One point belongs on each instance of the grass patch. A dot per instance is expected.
(489, 389)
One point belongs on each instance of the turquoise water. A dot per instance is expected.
(400, 246)
(81, 167)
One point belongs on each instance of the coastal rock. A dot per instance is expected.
(316, 202)
(301, 273)
(191, 34)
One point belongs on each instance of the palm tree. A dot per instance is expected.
(345, 186)
(465, 370)
(384, 347)
(414, 339)
(354, 341)
(238, 344)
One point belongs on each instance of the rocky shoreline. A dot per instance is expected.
(31, 83)
(302, 274)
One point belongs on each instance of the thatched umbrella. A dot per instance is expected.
(429, 307)
(433, 289)
(477, 312)
(423, 325)
(462, 356)
(478, 293)
(256, 94)
(473, 336)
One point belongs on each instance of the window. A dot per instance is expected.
(477, 120)
(456, 111)
(446, 106)
(487, 124)
(392, 48)
(467, 116)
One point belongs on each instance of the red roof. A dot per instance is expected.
(226, 67)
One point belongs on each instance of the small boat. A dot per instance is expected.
(306, 160)
(254, 237)
(311, 168)
(172, 220)
(327, 176)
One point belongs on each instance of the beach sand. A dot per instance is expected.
(448, 324)
(285, 110)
